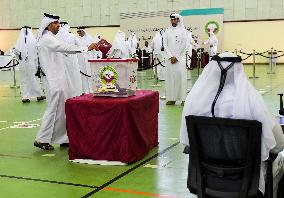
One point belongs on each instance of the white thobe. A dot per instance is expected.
(158, 55)
(51, 55)
(118, 53)
(29, 83)
(213, 45)
(72, 70)
(85, 69)
(175, 46)
(84, 65)
(190, 44)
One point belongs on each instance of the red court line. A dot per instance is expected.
(137, 193)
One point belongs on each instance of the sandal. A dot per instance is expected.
(44, 146)
(40, 98)
(26, 100)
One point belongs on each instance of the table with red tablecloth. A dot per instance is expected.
(114, 129)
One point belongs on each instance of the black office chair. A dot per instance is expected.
(225, 157)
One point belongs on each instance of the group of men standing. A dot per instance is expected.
(61, 60)
(77, 68)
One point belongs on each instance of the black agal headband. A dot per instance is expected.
(51, 16)
(173, 16)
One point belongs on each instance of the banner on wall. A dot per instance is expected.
(145, 24)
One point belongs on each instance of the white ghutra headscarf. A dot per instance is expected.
(47, 19)
(63, 33)
(238, 100)
(157, 43)
(87, 39)
(26, 43)
(119, 43)
(177, 16)
(132, 42)
(97, 37)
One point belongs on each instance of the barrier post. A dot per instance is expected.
(14, 74)
(253, 74)
(198, 62)
(270, 63)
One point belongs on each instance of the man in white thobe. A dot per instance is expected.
(191, 44)
(132, 42)
(175, 48)
(147, 48)
(146, 55)
(157, 45)
(25, 49)
(120, 47)
(237, 100)
(213, 43)
(51, 52)
(98, 54)
(71, 61)
(85, 69)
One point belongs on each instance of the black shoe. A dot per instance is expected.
(40, 98)
(170, 102)
(44, 146)
(64, 145)
(25, 100)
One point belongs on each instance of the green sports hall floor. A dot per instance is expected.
(28, 172)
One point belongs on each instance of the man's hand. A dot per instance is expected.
(93, 46)
(174, 60)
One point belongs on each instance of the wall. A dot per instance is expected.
(246, 35)
(258, 35)
(16, 13)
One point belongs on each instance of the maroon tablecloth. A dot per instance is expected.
(115, 129)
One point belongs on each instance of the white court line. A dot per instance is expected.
(24, 126)
(98, 162)
(151, 166)
(4, 128)
(23, 122)
(19, 122)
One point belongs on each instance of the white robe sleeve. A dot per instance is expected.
(182, 52)
(215, 42)
(279, 138)
(56, 45)
(206, 42)
(168, 53)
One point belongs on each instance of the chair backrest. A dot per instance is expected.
(225, 157)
